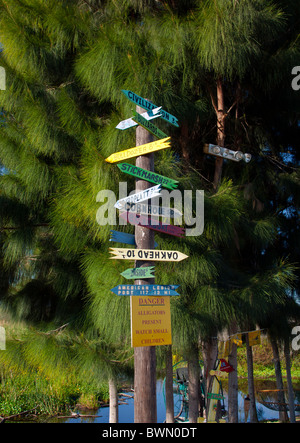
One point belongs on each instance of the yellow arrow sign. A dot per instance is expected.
(146, 254)
(139, 150)
(218, 373)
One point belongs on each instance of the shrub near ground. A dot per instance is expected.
(263, 364)
(29, 389)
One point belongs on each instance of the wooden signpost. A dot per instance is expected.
(139, 196)
(143, 103)
(146, 255)
(149, 176)
(139, 273)
(142, 220)
(137, 290)
(139, 150)
(150, 313)
(150, 321)
(149, 126)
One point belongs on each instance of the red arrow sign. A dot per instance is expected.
(225, 366)
(142, 220)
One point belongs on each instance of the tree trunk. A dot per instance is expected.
(113, 401)
(169, 386)
(279, 383)
(221, 116)
(251, 389)
(233, 384)
(144, 357)
(210, 353)
(194, 388)
(289, 380)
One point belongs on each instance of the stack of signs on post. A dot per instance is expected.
(150, 304)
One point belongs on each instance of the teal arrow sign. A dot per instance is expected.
(158, 290)
(149, 126)
(149, 176)
(143, 103)
(139, 273)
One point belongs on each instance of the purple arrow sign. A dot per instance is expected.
(142, 220)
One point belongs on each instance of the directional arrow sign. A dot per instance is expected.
(143, 208)
(214, 396)
(149, 126)
(139, 150)
(149, 176)
(218, 373)
(140, 101)
(122, 237)
(139, 197)
(129, 122)
(146, 255)
(139, 273)
(141, 220)
(219, 151)
(153, 290)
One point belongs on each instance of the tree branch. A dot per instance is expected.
(15, 228)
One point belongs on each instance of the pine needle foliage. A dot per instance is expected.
(67, 62)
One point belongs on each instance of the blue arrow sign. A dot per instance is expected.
(158, 290)
(143, 103)
(122, 237)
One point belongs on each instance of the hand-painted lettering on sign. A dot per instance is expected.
(149, 126)
(139, 150)
(151, 290)
(139, 273)
(146, 255)
(149, 176)
(143, 103)
(150, 321)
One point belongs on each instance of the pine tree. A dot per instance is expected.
(223, 69)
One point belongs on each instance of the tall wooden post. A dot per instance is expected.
(144, 357)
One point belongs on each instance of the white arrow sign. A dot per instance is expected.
(129, 123)
(140, 196)
(143, 208)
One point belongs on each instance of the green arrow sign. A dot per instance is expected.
(149, 176)
(139, 273)
(214, 396)
(138, 118)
